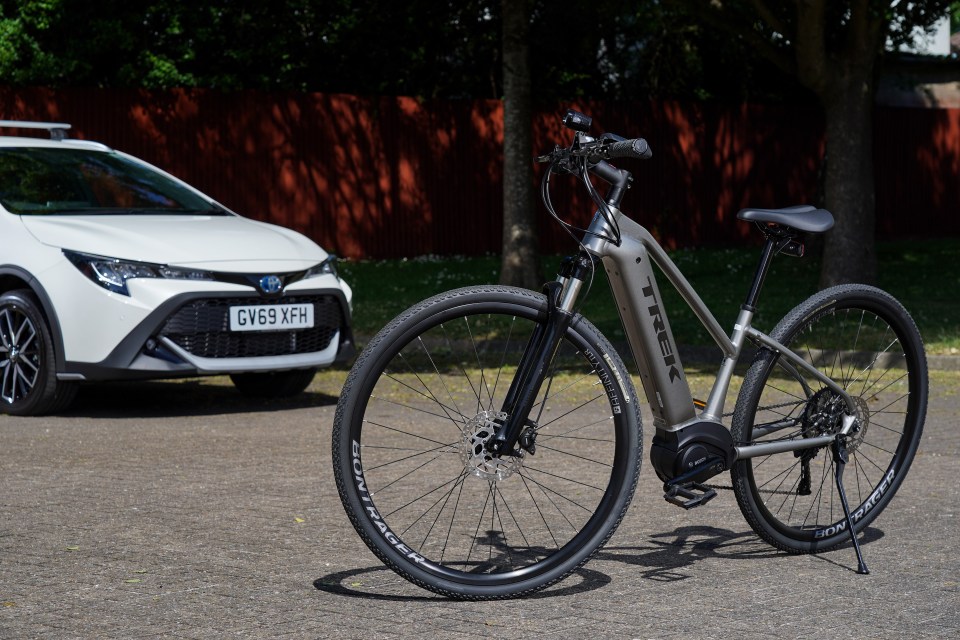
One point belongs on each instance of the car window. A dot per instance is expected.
(77, 181)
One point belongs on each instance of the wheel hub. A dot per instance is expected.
(477, 460)
(824, 416)
(863, 423)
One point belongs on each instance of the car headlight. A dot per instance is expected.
(327, 267)
(112, 273)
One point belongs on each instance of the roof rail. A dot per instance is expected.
(58, 130)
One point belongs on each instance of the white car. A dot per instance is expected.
(111, 269)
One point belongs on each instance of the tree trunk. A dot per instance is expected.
(849, 253)
(520, 265)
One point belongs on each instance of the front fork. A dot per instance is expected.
(538, 354)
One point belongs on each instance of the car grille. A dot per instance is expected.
(202, 327)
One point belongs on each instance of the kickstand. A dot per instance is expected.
(840, 457)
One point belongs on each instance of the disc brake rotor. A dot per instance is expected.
(477, 460)
(824, 412)
(863, 422)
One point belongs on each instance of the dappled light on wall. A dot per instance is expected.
(382, 176)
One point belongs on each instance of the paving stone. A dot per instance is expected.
(164, 510)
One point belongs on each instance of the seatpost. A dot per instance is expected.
(774, 243)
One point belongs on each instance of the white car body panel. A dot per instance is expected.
(90, 323)
(223, 242)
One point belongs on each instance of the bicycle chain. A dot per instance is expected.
(727, 415)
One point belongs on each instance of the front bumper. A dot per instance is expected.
(189, 335)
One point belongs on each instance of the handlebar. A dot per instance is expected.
(634, 148)
(607, 147)
(590, 155)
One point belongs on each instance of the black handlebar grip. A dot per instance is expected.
(636, 148)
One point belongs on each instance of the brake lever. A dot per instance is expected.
(564, 166)
(557, 154)
(561, 160)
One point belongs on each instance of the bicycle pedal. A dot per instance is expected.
(689, 495)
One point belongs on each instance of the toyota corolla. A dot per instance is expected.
(112, 269)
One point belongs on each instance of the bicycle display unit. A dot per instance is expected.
(488, 440)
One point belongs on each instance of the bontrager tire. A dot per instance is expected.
(408, 451)
(863, 339)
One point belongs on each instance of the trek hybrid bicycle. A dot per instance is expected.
(487, 441)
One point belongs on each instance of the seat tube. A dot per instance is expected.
(714, 407)
(715, 401)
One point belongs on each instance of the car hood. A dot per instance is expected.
(212, 242)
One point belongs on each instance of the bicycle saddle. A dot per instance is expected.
(802, 218)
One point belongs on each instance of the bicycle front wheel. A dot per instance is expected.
(864, 340)
(412, 470)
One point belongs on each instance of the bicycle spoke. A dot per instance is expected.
(791, 497)
(446, 496)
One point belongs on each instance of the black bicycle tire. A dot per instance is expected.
(824, 538)
(349, 417)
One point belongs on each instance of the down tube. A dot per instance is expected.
(630, 273)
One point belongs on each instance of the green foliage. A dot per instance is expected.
(916, 272)
(420, 47)
(417, 47)
(580, 48)
(23, 27)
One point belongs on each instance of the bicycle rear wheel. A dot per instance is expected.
(414, 476)
(863, 339)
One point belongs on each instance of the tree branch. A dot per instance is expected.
(771, 19)
(867, 28)
(717, 15)
(811, 46)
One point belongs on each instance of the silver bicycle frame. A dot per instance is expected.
(629, 268)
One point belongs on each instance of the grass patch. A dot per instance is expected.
(923, 275)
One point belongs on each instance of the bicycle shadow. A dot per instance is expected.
(666, 557)
(348, 583)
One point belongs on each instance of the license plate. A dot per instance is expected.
(264, 317)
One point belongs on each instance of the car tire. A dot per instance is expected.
(273, 384)
(28, 372)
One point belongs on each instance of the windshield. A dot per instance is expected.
(79, 181)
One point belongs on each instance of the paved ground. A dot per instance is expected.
(177, 510)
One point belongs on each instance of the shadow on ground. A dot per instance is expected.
(665, 558)
(180, 398)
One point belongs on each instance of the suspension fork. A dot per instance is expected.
(539, 352)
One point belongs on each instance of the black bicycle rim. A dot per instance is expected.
(425, 483)
(871, 353)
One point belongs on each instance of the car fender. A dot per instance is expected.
(53, 322)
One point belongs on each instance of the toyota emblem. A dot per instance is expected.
(271, 284)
